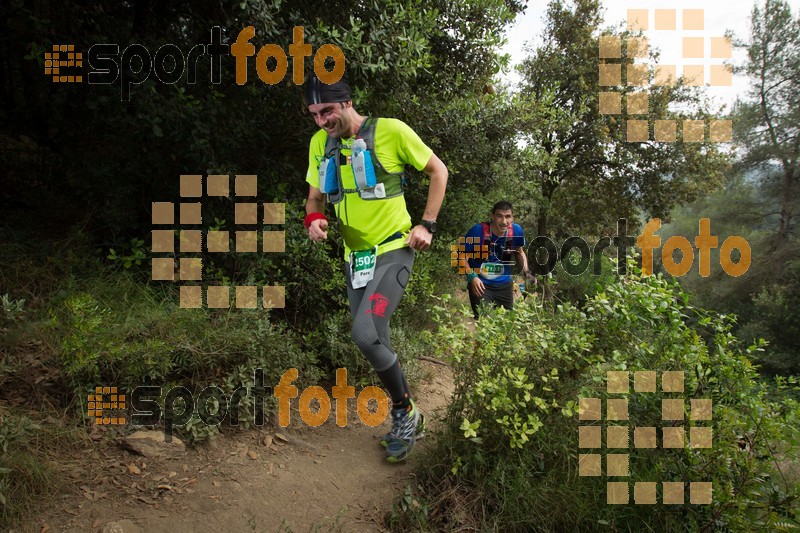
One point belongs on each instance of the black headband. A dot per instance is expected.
(318, 92)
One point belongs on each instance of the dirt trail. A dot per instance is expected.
(325, 478)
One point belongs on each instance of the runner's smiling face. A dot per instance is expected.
(501, 221)
(334, 118)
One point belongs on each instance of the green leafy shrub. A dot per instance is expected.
(252, 342)
(12, 431)
(13, 310)
(430, 273)
(12, 315)
(95, 349)
(129, 335)
(137, 254)
(333, 341)
(774, 314)
(311, 273)
(577, 289)
(28, 472)
(509, 445)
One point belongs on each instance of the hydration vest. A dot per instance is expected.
(487, 236)
(388, 184)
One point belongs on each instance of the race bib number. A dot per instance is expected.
(492, 270)
(362, 267)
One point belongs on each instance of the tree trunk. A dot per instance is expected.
(541, 224)
(548, 189)
(786, 212)
(786, 208)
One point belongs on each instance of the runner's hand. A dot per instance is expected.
(318, 230)
(477, 287)
(419, 238)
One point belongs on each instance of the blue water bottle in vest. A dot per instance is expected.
(363, 171)
(328, 182)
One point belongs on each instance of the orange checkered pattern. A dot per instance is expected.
(193, 240)
(105, 399)
(638, 126)
(54, 62)
(467, 248)
(618, 442)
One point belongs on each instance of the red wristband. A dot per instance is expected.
(311, 217)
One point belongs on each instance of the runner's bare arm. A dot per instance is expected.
(420, 238)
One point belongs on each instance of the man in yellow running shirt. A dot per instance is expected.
(357, 162)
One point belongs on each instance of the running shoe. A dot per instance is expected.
(408, 425)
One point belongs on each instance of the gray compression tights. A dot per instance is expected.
(372, 307)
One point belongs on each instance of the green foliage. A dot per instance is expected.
(430, 274)
(409, 508)
(94, 349)
(775, 315)
(577, 159)
(13, 310)
(759, 202)
(577, 289)
(32, 466)
(767, 121)
(12, 431)
(475, 137)
(137, 253)
(392, 50)
(510, 436)
(25, 474)
(128, 335)
(427, 64)
(762, 298)
(249, 342)
(498, 393)
(312, 273)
